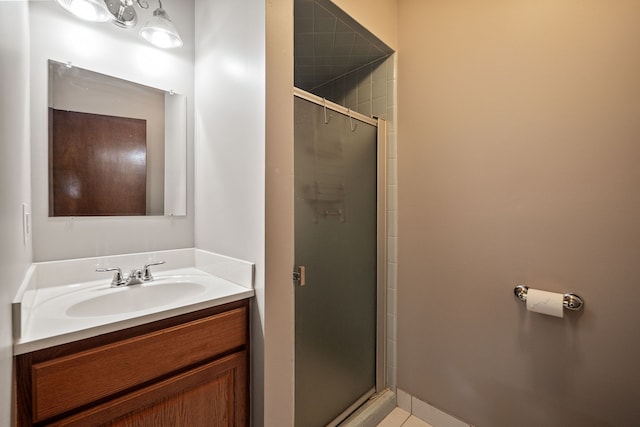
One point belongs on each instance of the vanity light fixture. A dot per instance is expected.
(159, 30)
(88, 10)
(123, 14)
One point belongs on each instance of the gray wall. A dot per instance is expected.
(15, 256)
(518, 148)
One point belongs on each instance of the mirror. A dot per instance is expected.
(116, 148)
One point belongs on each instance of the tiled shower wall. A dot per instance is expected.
(371, 91)
(368, 90)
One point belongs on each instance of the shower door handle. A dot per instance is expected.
(299, 275)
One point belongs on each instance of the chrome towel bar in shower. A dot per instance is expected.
(570, 301)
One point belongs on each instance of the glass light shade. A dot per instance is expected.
(160, 31)
(88, 10)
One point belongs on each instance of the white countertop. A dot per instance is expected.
(54, 315)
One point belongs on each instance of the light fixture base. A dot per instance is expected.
(124, 15)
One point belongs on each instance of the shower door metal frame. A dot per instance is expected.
(381, 239)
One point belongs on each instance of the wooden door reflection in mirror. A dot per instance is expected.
(97, 164)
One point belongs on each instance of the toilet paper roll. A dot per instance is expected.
(544, 302)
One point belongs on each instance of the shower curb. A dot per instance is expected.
(373, 411)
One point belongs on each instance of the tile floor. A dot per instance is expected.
(399, 417)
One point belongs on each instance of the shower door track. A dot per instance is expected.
(381, 261)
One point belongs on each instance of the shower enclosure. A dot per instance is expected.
(340, 262)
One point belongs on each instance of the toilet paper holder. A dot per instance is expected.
(570, 301)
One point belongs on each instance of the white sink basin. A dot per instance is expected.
(61, 314)
(130, 299)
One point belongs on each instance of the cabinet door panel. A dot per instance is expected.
(214, 394)
(69, 382)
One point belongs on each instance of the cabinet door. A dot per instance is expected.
(80, 379)
(214, 394)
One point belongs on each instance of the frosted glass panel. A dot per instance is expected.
(335, 239)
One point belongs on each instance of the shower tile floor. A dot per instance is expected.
(401, 418)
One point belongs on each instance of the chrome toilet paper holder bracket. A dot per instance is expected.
(570, 301)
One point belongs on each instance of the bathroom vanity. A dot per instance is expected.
(188, 370)
(90, 354)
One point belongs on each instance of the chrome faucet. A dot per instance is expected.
(135, 277)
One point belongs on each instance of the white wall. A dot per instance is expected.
(105, 48)
(15, 256)
(230, 145)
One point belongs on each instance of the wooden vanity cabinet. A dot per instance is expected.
(189, 370)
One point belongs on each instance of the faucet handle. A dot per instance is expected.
(146, 271)
(118, 280)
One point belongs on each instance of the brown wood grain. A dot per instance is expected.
(123, 334)
(71, 381)
(210, 395)
(97, 164)
(23, 389)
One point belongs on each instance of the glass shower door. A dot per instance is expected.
(335, 182)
